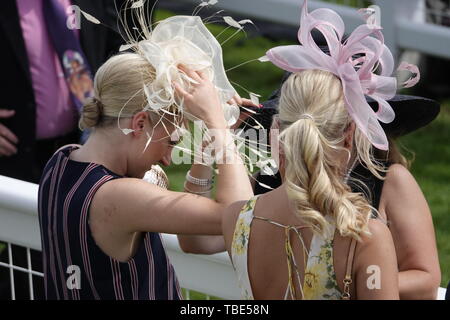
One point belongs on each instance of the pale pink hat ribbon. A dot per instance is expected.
(357, 74)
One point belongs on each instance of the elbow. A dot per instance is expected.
(430, 291)
(431, 286)
(190, 249)
(186, 245)
(186, 248)
(426, 289)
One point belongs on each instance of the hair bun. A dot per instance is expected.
(91, 113)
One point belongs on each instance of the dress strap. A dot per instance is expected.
(312, 258)
(293, 270)
(348, 272)
(292, 265)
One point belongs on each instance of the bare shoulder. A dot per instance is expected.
(401, 191)
(128, 197)
(122, 200)
(376, 247)
(379, 233)
(114, 193)
(398, 176)
(400, 187)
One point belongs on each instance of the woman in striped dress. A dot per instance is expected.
(100, 222)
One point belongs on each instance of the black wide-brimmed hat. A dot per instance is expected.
(411, 112)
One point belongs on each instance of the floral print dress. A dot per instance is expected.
(319, 277)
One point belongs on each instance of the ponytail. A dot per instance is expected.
(313, 120)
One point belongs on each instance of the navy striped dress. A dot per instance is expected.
(65, 193)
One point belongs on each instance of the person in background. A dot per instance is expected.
(39, 112)
(40, 108)
(298, 241)
(397, 197)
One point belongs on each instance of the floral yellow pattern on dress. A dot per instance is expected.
(320, 278)
(242, 231)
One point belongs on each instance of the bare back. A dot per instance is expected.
(268, 267)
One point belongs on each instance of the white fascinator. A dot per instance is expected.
(184, 40)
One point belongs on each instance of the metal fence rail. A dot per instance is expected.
(404, 21)
(29, 270)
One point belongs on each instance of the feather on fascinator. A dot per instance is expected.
(174, 41)
(184, 40)
(354, 62)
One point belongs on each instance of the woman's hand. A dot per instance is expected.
(244, 115)
(8, 140)
(202, 101)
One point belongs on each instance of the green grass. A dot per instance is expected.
(351, 3)
(194, 295)
(431, 145)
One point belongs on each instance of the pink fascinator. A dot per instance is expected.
(354, 62)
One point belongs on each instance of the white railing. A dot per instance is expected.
(212, 275)
(403, 21)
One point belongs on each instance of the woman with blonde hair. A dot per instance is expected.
(312, 238)
(100, 222)
(313, 209)
(397, 197)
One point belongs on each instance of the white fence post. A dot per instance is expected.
(394, 12)
(388, 22)
(399, 10)
(403, 21)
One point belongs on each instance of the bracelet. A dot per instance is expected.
(226, 153)
(197, 181)
(197, 192)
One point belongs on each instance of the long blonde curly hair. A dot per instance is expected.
(313, 121)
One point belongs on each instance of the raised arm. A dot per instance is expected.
(203, 102)
(209, 244)
(131, 205)
(200, 244)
